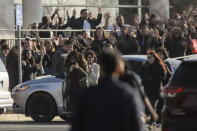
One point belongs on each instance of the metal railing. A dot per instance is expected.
(13, 41)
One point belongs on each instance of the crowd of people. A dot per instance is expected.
(75, 54)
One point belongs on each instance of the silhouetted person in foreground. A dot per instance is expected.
(112, 105)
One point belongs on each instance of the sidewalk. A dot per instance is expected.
(20, 117)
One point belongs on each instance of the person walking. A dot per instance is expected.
(76, 77)
(152, 73)
(161, 51)
(112, 105)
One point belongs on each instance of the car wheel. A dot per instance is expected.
(41, 107)
(66, 117)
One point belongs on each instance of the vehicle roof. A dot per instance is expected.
(135, 57)
(191, 59)
(144, 58)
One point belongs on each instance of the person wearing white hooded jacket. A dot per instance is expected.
(93, 68)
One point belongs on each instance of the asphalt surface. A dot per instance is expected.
(34, 126)
(14, 122)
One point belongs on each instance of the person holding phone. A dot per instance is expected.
(76, 73)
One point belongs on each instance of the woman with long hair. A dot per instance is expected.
(29, 67)
(76, 73)
(99, 40)
(93, 68)
(152, 74)
(161, 51)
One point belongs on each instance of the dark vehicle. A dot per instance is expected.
(180, 96)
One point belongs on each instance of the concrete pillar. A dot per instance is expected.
(7, 19)
(32, 12)
(139, 10)
(160, 8)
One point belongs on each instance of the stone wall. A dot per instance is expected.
(7, 20)
(49, 10)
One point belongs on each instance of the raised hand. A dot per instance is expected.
(56, 11)
(107, 15)
(99, 10)
(74, 12)
(67, 13)
(90, 14)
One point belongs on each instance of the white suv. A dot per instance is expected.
(5, 96)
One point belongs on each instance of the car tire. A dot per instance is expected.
(41, 107)
(66, 117)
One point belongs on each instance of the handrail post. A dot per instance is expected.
(19, 54)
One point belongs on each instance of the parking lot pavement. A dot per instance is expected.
(18, 121)
(20, 117)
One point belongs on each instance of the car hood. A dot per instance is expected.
(43, 79)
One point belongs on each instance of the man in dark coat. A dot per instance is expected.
(147, 40)
(112, 105)
(127, 43)
(59, 58)
(12, 67)
(176, 44)
(84, 21)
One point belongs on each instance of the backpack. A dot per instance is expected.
(169, 73)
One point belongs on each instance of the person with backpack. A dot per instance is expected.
(161, 51)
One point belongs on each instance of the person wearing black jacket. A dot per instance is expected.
(60, 56)
(59, 25)
(176, 44)
(99, 41)
(84, 22)
(12, 67)
(126, 42)
(112, 105)
(147, 40)
(163, 55)
(46, 24)
(29, 67)
(47, 59)
(153, 72)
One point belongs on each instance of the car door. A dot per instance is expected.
(5, 95)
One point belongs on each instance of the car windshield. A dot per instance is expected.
(186, 74)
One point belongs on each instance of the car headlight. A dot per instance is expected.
(21, 88)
